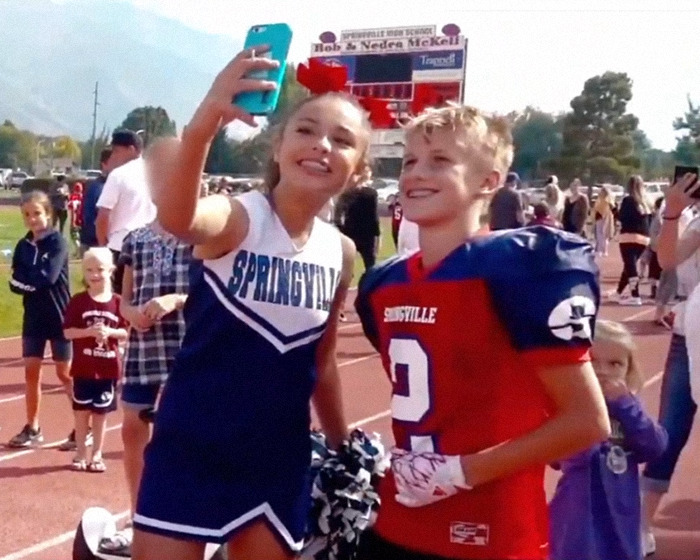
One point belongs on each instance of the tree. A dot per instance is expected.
(66, 147)
(9, 139)
(687, 152)
(537, 138)
(690, 121)
(17, 147)
(641, 142)
(688, 147)
(153, 121)
(251, 155)
(220, 158)
(657, 164)
(598, 135)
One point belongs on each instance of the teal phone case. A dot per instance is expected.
(278, 36)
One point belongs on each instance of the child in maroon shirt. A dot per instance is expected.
(96, 327)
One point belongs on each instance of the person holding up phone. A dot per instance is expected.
(678, 248)
(230, 453)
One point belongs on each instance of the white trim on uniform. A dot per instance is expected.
(281, 346)
(262, 510)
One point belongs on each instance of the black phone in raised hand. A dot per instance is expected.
(681, 170)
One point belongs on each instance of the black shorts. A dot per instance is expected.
(98, 396)
(34, 346)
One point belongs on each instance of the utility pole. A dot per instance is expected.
(94, 124)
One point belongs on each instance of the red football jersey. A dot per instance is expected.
(75, 203)
(396, 217)
(92, 360)
(462, 344)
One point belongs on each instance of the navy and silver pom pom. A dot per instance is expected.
(344, 496)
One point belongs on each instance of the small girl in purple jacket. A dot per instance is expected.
(595, 512)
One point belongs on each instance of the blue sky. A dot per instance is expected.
(521, 52)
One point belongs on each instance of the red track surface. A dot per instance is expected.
(41, 500)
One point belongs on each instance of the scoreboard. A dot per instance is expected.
(396, 64)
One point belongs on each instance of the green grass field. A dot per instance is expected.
(12, 229)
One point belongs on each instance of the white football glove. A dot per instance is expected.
(425, 478)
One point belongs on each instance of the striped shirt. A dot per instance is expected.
(160, 263)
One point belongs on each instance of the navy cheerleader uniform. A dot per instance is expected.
(231, 437)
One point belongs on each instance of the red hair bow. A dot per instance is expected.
(426, 97)
(320, 78)
(378, 109)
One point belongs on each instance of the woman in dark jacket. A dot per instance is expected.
(635, 218)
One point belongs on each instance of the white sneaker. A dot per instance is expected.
(613, 295)
(118, 544)
(637, 301)
(648, 543)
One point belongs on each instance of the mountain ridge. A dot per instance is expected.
(54, 53)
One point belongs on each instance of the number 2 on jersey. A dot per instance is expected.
(410, 375)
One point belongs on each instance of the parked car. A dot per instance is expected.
(387, 190)
(17, 178)
(388, 193)
(655, 191)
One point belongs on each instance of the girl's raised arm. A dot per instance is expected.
(670, 251)
(175, 166)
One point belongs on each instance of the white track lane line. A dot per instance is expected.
(638, 315)
(653, 379)
(21, 397)
(49, 445)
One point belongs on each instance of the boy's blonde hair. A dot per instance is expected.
(617, 333)
(490, 137)
(100, 254)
